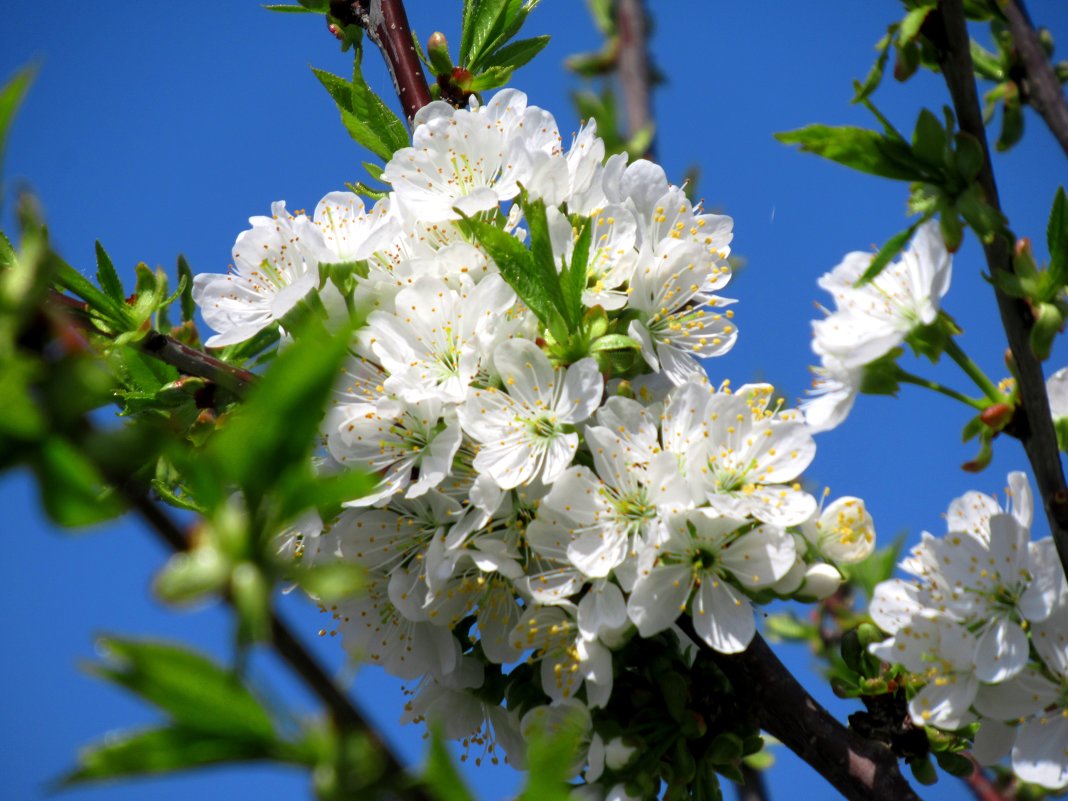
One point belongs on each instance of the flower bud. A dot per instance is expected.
(821, 581)
(997, 415)
(617, 754)
(437, 50)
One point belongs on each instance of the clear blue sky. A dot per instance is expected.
(160, 128)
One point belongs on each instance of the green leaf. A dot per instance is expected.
(573, 279)
(875, 75)
(1057, 238)
(107, 276)
(615, 342)
(367, 119)
(550, 758)
(876, 568)
(541, 250)
(479, 20)
(887, 252)
(1012, 120)
(929, 139)
(11, 97)
(277, 426)
(164, 750)
(284, 9)
(517, 266)
(859, 148)
(516, 54)
(440, 776)
(73, 492)
(196, 692)
(913, 21)
(491, 78)
(331, 582)
(324, 493)
(70, 279)
(188, 305)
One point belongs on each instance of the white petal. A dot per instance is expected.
(722, 616)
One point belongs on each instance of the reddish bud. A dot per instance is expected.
(1023, 245)
(997, 415)
(335, 29)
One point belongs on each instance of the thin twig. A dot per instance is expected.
(633, 67)
(344, 712)
(386, 24)
(1042, 89)
(860, 769)
(982, 787)
(753, 787)
(946, 30)
(188, 361)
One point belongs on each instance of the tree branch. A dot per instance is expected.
(753, 788)
(946, 29)
(343, 710)
(188, 361)
(632, 65)
(386, 24)
(982, 787)
(860, 769)
(1042, 89)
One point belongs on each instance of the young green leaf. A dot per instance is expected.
(440, 775)
(195, 691)
(11, 97)
(107, 276)
(164, 750)
(277, 426)
(479, 21)
(73, 492)
(1057, 238)
(859, 148)
(541, 250)
(887, 252)
(71, 280)
(517, 266)
(188, 305)
(573, 278)
(550, 758)
(875, 76)
(518, 53)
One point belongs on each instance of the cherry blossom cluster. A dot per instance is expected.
(541, 499)
(982, 623)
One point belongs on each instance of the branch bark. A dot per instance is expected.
(188, 361)
(860, 769)
(982, 787)
(633, 66)
(386, 24)
(947, 31)
(1042, 89)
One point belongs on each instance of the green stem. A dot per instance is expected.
(973, 372)
(906, 377)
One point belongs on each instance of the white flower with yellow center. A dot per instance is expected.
(695, 566)
(431, 344)
(471, 160)
(274, 268)
(844, 532)
(743, 455)
(873, 319)
(527, 430)
(678, 320)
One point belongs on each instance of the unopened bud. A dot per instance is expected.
(997, 415)
(462, 78)
(437, 50)
(821, 581)
(335, 29)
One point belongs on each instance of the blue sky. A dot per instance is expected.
(162, 131)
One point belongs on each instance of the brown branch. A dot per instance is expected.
(386, 24)
(1042, 88)
(982, 787)
(860, 769)
(188, 361)
(947, 31)
(633, 67)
